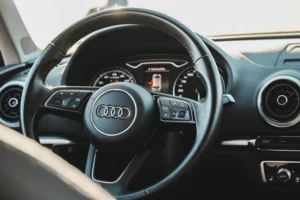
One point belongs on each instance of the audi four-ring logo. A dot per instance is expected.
(115, 112)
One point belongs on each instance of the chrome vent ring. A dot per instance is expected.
(10, 100)
(279, 101)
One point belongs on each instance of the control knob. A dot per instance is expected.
(284, 175)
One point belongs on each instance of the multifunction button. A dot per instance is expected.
(174, 110)
(71, 100)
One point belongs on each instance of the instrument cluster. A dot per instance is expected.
(176, 77)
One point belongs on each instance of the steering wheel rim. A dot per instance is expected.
(207, 113)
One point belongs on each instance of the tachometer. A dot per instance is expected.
(113, 76)
(190, 85)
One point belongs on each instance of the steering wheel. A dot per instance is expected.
(121, 118)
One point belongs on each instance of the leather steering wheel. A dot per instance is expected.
(143, 109)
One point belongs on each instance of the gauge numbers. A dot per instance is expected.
(190, 85)
(113, 76)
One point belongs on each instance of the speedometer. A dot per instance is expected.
(113, 76)
(190, 85)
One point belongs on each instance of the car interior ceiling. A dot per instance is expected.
(255, 152)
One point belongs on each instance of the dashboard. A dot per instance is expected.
(262, 75)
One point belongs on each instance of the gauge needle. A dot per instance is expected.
(198, 92)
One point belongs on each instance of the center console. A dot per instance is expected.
(275, 157)
(283, 173)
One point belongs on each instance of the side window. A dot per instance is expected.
(1, 60)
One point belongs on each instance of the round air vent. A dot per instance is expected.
(10, 99)
(279, 101)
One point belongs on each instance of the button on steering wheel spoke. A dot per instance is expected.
(70, 99)
(175, 109)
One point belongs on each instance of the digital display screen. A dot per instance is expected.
(157, 79)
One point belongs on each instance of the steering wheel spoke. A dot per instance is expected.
(68, 99)
(120, 185)
(174, 109)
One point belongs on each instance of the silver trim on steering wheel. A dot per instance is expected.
(115, 112)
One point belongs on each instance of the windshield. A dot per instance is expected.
(45, 19)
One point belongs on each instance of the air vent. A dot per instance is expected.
(279, 101)
(10, 99)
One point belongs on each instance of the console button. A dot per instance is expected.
(187, 115)
(65, 93)
(165, 108)
(58, 102)
(173, 109)
(284, 175)
(164, 101)
(82, 95)
(282, 143)
(74, 105)
(67, 99)
(60, 93)
(77, 100)
(265, 142)
(70, 94)
(173, 113)
(178, 104)
(181, 114)
(297, 179)
(165, 115)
